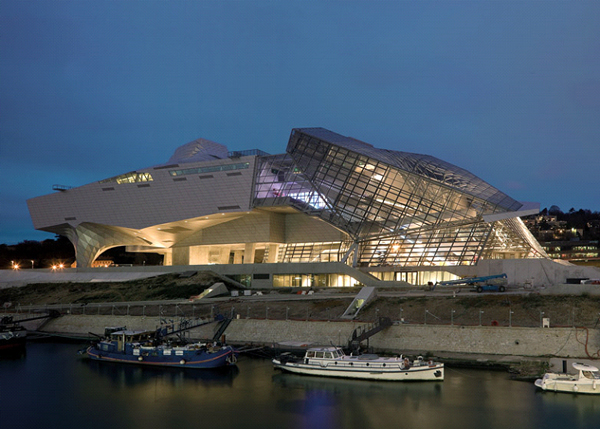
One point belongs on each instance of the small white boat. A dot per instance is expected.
(332, 362)
(587, 380)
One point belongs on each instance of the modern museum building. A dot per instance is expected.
(330, 211)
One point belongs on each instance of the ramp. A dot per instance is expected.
(363, 297)
(217, 289)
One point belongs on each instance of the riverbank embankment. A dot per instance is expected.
(483, 345)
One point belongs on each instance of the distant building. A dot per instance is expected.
(573, 250)
(330, 211)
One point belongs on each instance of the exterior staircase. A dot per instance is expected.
(365, 332)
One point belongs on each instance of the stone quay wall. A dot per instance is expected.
(399, 338)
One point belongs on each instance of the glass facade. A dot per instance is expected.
(209, 169)
(312, 252)
(396, 208)
(314, 280)
(133, 177)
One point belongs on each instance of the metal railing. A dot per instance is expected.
(503, 317)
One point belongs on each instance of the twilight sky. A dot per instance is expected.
(508, 90)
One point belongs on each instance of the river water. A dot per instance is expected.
(50, 386)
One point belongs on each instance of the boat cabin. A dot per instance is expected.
(324, 353)
(130, 337)
(110, 329)
(587, 371)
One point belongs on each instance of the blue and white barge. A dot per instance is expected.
(142, 348)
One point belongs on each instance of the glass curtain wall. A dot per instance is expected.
(312, 252)
(397, 217)
(397, 208)
(511, 238)
(314, 280)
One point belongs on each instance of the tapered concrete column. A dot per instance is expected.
(90, 240)
(224, 251)
(249, 250)
(238, 257)
(168, 257)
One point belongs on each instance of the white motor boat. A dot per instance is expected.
(333, 362)
(587, 380)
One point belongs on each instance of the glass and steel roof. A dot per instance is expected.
(424, 165)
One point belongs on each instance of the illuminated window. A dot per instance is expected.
(133, 177)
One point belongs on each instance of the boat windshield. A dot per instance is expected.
(330, 354)
(591, 374)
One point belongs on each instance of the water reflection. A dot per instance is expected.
(575, 410)
(466, 399)
(17, 353)
(66, 392)
(123, 375)
(356, 387)
(331, 402)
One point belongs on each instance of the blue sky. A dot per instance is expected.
(507, 90)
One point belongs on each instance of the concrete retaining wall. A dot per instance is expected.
(570, 289)
(535, 342)
(564, 342)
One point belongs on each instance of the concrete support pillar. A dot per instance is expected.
(199, 255)
(238, 256)
(224, 252)
(181, 256)
(249, 250)
(273, 251)
(168, 257)
(203, 255)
